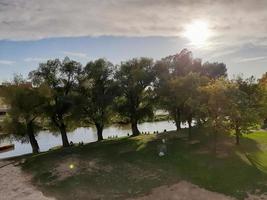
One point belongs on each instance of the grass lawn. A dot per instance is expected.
(128, 167)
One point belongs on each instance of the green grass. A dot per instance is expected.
(129, 167)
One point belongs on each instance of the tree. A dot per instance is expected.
(134, 79)
(214, 70)
(233, 105)
(97, 90)
(215, 103)
(262, 86)
(244, 105)
(170, 85)
(191, 94)
(58, 80)
(25, 107)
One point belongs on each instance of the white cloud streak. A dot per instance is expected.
(75, 54)
(258, 58)
(30, 59)
(6, 62)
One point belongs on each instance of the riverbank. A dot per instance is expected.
(131, 168)
(48, 140)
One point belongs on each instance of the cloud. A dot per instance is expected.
(75, 54)
(34, 59)
(6, 62)
(241, 60)
(230, 21)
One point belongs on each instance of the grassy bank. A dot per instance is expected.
(127, 167)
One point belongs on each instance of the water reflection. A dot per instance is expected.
(48, 140)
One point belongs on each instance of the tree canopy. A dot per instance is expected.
(58, 80)
(135, 78)
(97, 90)
(25, 110)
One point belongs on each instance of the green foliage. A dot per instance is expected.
(214, 70)
(245, 104)
(262, 88)
(178, 79)
(17, 130)
(233, 105)
(58, 80)
(214, 105)
(25, 111)
(97, 91)
(216, 100)
(134, 79)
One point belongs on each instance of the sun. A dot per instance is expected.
(197, 32)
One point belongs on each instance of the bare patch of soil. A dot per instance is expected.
(140, 173)
(183, 191)
(256, 197)
(75, 165)
(16, 184)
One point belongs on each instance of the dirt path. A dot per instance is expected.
(187, 191)
(183, 191)
(14, 184)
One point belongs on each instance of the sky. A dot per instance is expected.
(229, 31)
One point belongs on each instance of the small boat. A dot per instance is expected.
(7, 148)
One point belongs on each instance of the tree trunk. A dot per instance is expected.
(237, 136)
(99, 129)
(33, 141)
(215, 141)
(177, 119)
(65, 141)
(178, 125)
(135, 130)
(189, 121)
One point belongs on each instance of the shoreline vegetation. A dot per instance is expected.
(63, 95)
(155, 118)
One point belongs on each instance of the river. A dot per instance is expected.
(48, 140)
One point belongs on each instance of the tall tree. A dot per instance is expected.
(215, 104)
(97, 90)
(134, 79)
(244, 105)
(58, 79)
(192, 96)
(262, 83)
(169, 84)
(25, 107)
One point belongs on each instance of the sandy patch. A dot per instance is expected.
(256, 197)
(187, 191)
(182, 191)
(16, 184)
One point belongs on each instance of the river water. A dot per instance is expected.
(47, 140)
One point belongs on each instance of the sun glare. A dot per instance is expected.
(197, 32)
